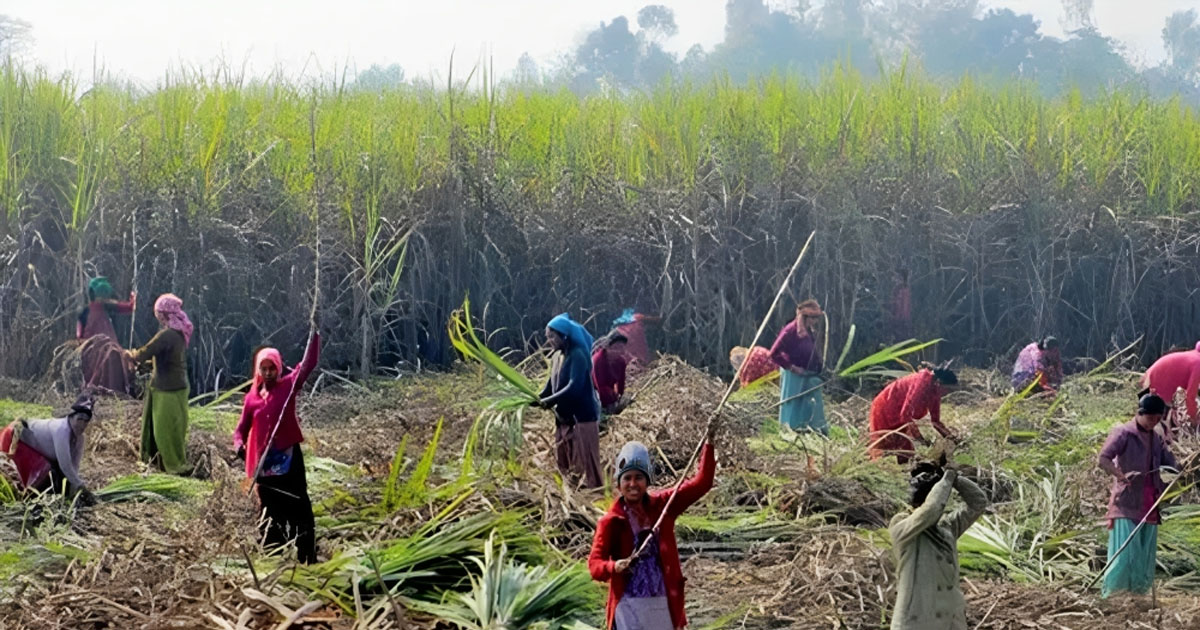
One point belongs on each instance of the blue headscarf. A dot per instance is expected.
(627, 317)
(575, 333)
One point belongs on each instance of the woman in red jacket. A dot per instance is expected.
(282, 485)
(895, 411)
(645, 593)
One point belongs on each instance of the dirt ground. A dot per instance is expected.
(813, 564)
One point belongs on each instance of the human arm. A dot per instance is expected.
(619, 376)
(158, 343)
(576, 366)
(1106, 461)
(935, 413)
(600, 565)
(241, 432)
(693, 489)
(1190, 394)
(68, 452)
(976, 504)
(312, 354)
(123, 308)
(778, 349)
(927, 515)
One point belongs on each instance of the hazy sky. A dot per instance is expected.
(140, 39)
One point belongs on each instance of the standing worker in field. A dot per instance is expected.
(645, 593)
(896, 409)
(925, 543)
(799, 358)
(608, 371)
(282, 484)
(1039, 361)
(165, 416)
(101, 355)
(571, 393)
(1133, 455)
(1171, 373)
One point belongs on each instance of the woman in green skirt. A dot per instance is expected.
(799, 358)
(165, 417)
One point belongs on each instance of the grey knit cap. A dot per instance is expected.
(635, 456)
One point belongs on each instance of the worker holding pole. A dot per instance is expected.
(1134, 454)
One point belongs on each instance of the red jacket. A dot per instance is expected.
(608, 374)
(614, 540)
(259, 416)
(901, 404)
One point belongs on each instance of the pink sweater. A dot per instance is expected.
(1177, 370)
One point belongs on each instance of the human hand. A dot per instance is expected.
(241, 452)
(623, 565)
(85, 498)
(133, 296)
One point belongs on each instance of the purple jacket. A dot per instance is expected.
(793, 351)
(1135, 450)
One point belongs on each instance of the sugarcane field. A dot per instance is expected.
(718, 314)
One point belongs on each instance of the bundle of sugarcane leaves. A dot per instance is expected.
(152, 487)
(431, 570)
(520, 391)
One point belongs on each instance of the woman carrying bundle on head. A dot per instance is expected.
(632, 325)
(268, 436)
(608, 371)
(757, 363)
(571, 393)
(895, 411)
(1173, 372)
(165, 415)
(101, 355)
(645, 593)
(795, 350)
(1039, 362)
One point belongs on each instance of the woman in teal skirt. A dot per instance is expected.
(799, 359)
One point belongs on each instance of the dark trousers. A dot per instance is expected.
(288, 511)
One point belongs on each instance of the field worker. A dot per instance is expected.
(571, 393)
(925, 543)
(608, 371)
(799, 359)
(895, 411)
(1173, 372)
(1133, 455)
(49, 451)
(758, 361)
(633, 325)
(101, 355)
(1039, 362)
(645, 593)
(282, 484)
(165, 416)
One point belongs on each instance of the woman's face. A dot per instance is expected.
(268, 372)
(617, 348)
(556, 340)
(162, 319)
(632, 486)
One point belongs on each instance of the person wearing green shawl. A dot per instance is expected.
(101, 355)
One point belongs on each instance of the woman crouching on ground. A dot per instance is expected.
(282, 485)
(645, 593)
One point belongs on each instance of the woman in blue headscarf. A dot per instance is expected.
(572, 396)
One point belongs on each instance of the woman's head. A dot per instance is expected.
(268, 364)
(614, 342)
(556, 339)
(634, 471)
(1151, 409)
(562, 333)
(1050, 342)
(925, 476)
(941, 373)
(99, 289)
(168, 309)
(81, 411)
(808, 312)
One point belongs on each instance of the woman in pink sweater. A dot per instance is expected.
(1175, 371)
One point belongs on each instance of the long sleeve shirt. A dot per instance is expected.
(608, 372)
(260, 413)
(790, 350)
(167, 352)
(1134, 449)
(925, 543)
(906, 400)
(94, 319)
(54, 439)
(1177, 370)
(570, 390)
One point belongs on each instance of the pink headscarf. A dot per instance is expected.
(172, 307)
(266, 355)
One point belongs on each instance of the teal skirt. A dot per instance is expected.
(1133, 571)
(802, 412)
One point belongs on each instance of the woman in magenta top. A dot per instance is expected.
(282, 485)
(795, 350)
(608, 371)
(101, 355)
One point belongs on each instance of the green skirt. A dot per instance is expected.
(805, 411)
(1133, 570)
(164, 429)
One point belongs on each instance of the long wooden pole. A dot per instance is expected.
(716, 413)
